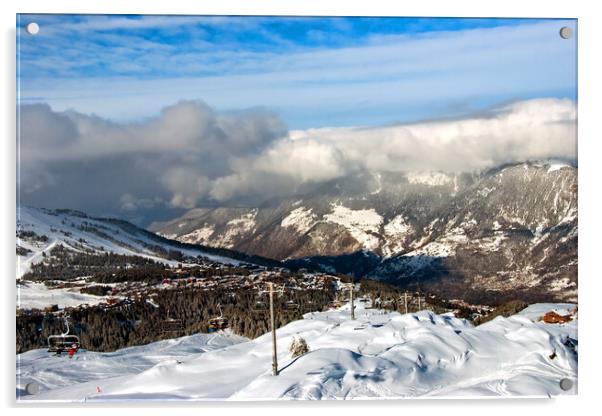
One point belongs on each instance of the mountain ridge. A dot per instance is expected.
(510, 228)
(39, 230)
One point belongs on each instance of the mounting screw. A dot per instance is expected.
(566, 384)
(32, 28)
(566, 32)
(32, 388)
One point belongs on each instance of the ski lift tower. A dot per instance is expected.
(350, 287)
(273, 325)
(259, 307)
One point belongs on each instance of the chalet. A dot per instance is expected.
(51, 308)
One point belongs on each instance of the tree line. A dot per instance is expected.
(64, 264)
(140, 322)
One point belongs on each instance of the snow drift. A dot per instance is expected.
(379, 355)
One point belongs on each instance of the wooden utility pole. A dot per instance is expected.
(352, 306)
(273, 324)
(419, 301)
(405, 300)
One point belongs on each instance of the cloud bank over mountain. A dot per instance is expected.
(191, 155)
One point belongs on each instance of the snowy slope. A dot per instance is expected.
(51, 372)
(362, 224)
(77, 231)
(37, 295)
(384, 355)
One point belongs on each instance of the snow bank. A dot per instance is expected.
(235, 227)
(302, 219)
(37, 295)
(52, 372)
(429, 178)
(379, 355)
(362, 224)
(557, 166)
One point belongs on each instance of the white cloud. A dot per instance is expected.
(187, 184)
(129, 202)
(181, 151)
(532, 129)
(192, 154)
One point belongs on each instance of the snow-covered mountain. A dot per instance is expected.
(511, 228)
(384, 355)
(377, 213)
(40, 230)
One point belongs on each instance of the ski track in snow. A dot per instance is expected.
(38, 295)
(384, 355)
(63, 229)
(121, 241)
(52, 372)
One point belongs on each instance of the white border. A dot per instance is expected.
(460, 8)
(589, 160)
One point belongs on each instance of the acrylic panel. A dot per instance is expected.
(270, 207)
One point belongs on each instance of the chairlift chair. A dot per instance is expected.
(63, 342)
(60, 343)
(169, 325)
(291, 305)
(218, 323)
(335, 304)
(309, 306)
(260, 306)
(172, 325)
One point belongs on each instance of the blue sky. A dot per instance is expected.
(311, 72)
(144, 117)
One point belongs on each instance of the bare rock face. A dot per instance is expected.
(512, 234)
(503, 233)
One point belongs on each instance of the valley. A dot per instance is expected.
(490, 236)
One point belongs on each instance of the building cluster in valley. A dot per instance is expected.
(209, 276)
